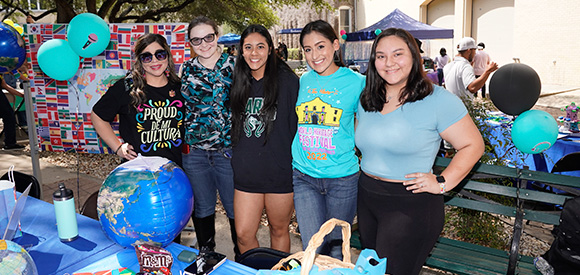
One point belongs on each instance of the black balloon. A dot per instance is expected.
(514, 88)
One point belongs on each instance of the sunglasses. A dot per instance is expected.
(148, 57)
(196, 41)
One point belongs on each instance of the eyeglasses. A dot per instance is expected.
(196, 41)
(148, 57)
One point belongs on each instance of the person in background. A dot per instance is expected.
(264, 123)
(7, 115)
(206, 82)
(285, 51)
(400, 201)
(151, 87)
(325, 166)
(440, 62)
(458, 74)
(480, 62)
(11, 80)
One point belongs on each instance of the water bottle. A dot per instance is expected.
(543, 266)
(66, 216)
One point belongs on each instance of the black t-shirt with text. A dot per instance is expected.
(155, 127)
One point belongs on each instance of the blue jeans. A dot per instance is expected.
(209, 171)
(318, 200)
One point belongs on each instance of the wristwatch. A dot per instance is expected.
(441, 181)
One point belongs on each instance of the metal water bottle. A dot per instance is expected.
(66, 217)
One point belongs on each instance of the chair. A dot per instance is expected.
(22, 181)
(261, 257)
(569, 162)
(89, 208)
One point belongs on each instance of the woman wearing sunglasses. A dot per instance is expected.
(206, 81)
(149, 105)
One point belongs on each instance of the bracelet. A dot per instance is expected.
(119, 148)
(442, 188)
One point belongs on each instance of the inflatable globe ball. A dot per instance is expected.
(534, 131)
(12, 49)
(514, 88)
(15, 260)
(147, 199)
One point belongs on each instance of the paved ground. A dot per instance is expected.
(553, 98)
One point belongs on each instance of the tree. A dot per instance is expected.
(236, 13)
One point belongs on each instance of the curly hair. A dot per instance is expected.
(136, 81)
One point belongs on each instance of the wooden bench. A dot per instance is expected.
(467, 258)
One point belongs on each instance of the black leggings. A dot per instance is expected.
(398, 224)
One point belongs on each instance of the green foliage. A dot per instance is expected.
(478, 110)
(238, 14)
(294, 54)
(478, 227)
(300, 70)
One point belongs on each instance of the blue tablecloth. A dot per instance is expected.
(52, 256)
(563, 146)
(127, 258)
(93, 251)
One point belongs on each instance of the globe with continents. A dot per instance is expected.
(147, 199)
(15, 260)
(12, 49)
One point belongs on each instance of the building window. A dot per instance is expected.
(36, 5)
(345, 16)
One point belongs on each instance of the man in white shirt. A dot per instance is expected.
(459, 76)
(480, 62)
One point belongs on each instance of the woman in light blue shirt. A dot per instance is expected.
(401, 120)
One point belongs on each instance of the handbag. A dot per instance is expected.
(368, 261)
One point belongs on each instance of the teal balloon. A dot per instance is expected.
(534, 131)
(88, 34)
(57, 59)
(344, 36)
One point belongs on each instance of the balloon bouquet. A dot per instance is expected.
(88, 35)
(514, 89)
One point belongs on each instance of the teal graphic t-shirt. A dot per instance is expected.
(324, 143)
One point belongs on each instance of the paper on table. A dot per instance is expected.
(7, 202)
(15, 217)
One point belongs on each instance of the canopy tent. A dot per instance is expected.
(398, 19)
(290, 31)
(229, 39)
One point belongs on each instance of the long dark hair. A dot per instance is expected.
(137, 92)
(443, 52)
(242, 84)
(417, 87)
(323, 28)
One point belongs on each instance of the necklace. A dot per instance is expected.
(329, 79)
(388, 97)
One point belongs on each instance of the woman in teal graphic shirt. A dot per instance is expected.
(325, 165)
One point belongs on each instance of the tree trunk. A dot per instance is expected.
(64, 11)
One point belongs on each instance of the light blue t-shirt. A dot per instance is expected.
(324, 143)
(407, 139)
